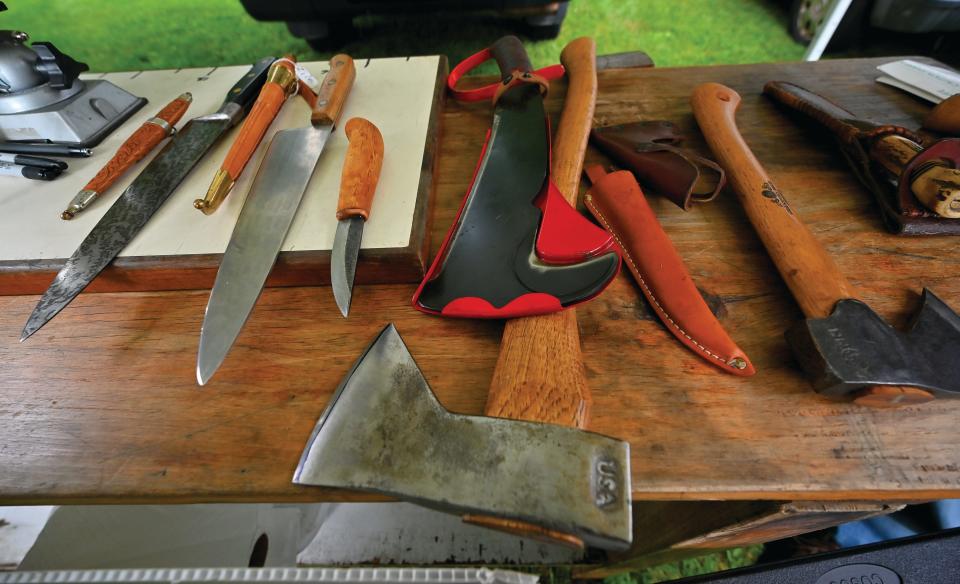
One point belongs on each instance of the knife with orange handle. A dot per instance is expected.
(281, 84)
(132, 151)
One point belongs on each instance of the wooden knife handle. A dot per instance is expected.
(333, 92)
(810, 273)
(812, 276)
(361, 169)
(539, 375)
(140, 143)
(281, 82)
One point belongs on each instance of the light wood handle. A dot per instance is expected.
(810, 273)
(333, 92)
(361, 169)
(281, 81)
(539, 375)
(139, 144)
(814, 279)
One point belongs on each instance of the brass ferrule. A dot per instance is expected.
(221, 185)
(79, 203)
(283, 76)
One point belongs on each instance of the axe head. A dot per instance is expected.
(384, 431)
(854, 348)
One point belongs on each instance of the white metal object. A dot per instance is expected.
(835, 14)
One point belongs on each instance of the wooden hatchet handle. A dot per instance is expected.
(813, 278)
(539, 375)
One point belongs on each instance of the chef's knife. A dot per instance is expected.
(144, 197)
(265, 218)
(358, 183)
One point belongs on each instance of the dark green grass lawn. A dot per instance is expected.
(119, 35)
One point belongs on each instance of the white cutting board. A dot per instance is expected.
(395, 94)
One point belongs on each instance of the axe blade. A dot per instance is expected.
(854, 348)
(384, 431)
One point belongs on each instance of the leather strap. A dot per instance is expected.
(619, 205)
(649, 150)
(493, 91)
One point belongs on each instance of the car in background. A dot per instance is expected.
(909, 16)
(325, 24)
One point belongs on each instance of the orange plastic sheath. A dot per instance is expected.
(138, 145)
(265, 109)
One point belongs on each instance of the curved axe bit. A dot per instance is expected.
(384, 431)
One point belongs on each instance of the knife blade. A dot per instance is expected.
(358, 183)
(266, 217)
(145, 195)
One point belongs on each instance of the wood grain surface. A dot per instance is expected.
(361, 169)
(539, 374)
(104, 407)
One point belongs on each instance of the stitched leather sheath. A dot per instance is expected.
(619, 205)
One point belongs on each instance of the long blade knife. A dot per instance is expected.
(145, 195)
(266, 216)
(358, 183)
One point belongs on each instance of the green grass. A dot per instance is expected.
(150, 34)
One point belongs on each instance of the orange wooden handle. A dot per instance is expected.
(810, 273)
(139, 144)
(281, 82)
(361, 169)
(333, 92)
(539, 375)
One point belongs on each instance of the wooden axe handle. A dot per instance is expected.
(814, 279)
(539, 374)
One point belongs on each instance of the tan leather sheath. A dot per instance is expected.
(619, 205)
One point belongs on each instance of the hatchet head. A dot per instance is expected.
(517, 248)
(384, 431)
(854, 348)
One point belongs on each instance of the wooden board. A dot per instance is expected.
(101, 405)
(181, 248)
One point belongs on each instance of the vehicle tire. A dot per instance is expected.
(325, 35)
(806, 15)
(546, 26)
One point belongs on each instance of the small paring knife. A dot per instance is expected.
(358, 183)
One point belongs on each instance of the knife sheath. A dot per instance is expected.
(860, 141)
(617, 202)
(650, 151)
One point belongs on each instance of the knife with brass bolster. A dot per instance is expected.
(358, 183)
(890, 149)
(618, 203)
(281, 84)
(132, 151)
(265, 218)
(145, 195)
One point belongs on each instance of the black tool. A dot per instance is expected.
(45, 149)
(35, 161)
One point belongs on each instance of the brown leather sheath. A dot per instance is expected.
(619, 205)
(945, 117)
(650, 151)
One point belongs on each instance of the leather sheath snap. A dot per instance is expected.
(617, 202)
(650, 150)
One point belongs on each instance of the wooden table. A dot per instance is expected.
(102, 404)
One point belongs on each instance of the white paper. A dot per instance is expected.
(934, 84)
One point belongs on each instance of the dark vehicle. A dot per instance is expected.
(910, 16)
(327, 23)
